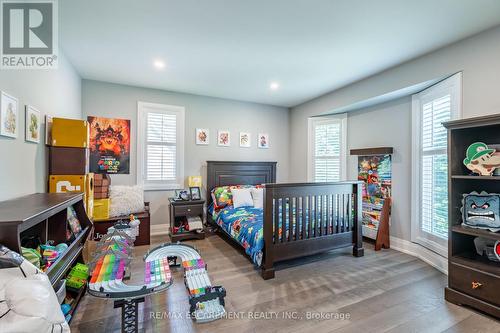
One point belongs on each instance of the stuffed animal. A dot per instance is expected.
(481, 160)
(481, 210)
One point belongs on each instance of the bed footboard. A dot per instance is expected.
(308, 218)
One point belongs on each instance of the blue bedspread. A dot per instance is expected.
(245, 225)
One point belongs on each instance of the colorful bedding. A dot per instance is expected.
(245, 225)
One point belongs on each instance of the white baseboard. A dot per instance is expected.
(432, 258)
(159, 229)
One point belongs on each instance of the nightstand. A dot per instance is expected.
(179, 211)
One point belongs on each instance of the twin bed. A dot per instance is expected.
(297, 219)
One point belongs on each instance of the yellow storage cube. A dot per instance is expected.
(75, 183)
(70, 133)
(101, 209)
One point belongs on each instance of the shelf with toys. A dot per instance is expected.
(374, 169)
(50, 231)
(474, 213)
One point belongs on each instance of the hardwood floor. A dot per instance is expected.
(384, 291)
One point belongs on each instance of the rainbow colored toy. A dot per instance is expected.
(206, 302)
(112, 259)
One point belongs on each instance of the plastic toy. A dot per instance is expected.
(206, 301)
(481, 210)
(488, 247)
(112, 259)
(481, 160)
(78, 276)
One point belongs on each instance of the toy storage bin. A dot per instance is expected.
(60, 289)
(68, 161)
(70, 133)
(101, 209)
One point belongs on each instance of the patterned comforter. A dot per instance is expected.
(245, 225)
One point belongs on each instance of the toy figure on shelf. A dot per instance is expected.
(481, 211)
(481, 160)
(489, 247)
(375, 172)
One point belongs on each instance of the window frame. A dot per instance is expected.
(312, 121)
(142, 110)
(452, 86)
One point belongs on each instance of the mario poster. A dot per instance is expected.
(109, 145)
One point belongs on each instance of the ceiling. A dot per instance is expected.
(236, 48)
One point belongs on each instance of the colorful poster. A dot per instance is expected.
(109, 145)
(375, 172)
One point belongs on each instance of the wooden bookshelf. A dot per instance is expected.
(473, 280)
(44, 215)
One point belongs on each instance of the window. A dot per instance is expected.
(327, 151)
(160, 150)
(430, 108)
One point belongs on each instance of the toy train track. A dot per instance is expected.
(206, 301)
(112, 259)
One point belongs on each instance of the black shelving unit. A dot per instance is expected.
(473, 280)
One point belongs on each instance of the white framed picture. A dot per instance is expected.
(32, 124)
(245, 139)
(223, 138)
(263, 140)
(9, 115)
(202, 136)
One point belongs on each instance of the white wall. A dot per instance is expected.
(120, 101)
(478, 58)
(57, 92)
(386, 125)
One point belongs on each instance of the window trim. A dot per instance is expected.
(342, 118)
(452, 84)
(142, 108)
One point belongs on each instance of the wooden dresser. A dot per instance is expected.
(473, 280)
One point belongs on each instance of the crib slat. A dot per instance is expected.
(290, 220)
(304, 212)
(337, 216)
(297, 218)
(276, 220)
(309, 213)
(328, 214)
(343, 213)
(283, 220)
(317, 217)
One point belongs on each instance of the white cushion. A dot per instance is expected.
(258, 197)
(125, 200)
(242, 197)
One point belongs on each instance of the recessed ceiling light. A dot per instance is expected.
(274, 85)
(159, 64)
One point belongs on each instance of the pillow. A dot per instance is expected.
(221, 196)
(258, 197)
(242, 197)
(125, 200)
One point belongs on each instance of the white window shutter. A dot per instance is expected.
(430, 108)
(327, 149)
(160, 146)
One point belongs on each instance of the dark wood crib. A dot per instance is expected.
(312, 217)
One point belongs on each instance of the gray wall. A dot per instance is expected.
(120, 101)
(386, 125)
(23, 166)
(477, 57)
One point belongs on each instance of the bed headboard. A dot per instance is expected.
(221, 173)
